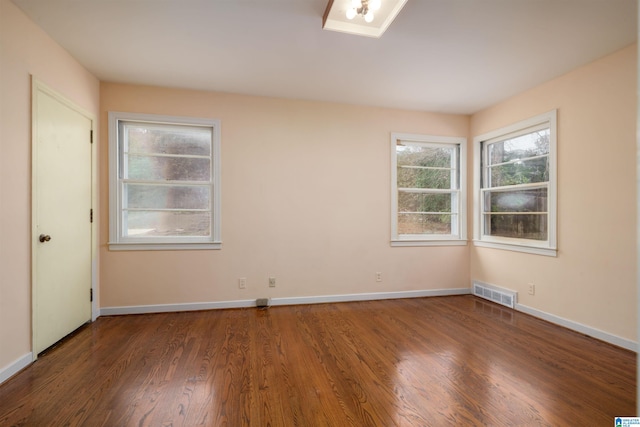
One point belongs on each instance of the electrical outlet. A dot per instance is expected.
(378, 276)
(272, 282)
(242, 283)
(532, 289)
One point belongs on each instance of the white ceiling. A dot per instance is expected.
(455, 56)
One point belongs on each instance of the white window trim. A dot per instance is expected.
(116, 240)
(548, 247)
(433, 239)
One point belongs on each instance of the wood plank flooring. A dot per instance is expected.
(445, 361)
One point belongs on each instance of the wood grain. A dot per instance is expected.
(416, 362)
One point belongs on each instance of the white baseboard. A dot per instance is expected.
(15, 367)
(579, 327)
(165, 308)
(369, 297)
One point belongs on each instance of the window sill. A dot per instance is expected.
(164, 246)
(408, 243)
(517, 248)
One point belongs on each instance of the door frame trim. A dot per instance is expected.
(37, 86)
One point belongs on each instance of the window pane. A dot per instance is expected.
(517, 185)
(426, 185)
(414, 155)
(529, 200)
(154, 223)
(167, 196)
(159, 139)
(521, 172)
(529, 145)
(425, 223)
(424, 178)
(168, 168)
(532, 227)
(417, 202)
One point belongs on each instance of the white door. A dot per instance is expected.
(62, 184)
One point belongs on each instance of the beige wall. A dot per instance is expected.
(25, 50)
(305, 198)
(593, 279)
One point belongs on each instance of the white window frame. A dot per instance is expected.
(539, 247)
(459, 229)
(117, 240)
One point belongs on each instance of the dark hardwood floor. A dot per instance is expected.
(445, 361)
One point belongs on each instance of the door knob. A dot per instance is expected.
(44, 238)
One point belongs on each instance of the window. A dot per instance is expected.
(164, 183)
(428, 190)
(515, 190)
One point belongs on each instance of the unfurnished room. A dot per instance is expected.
(318, 212)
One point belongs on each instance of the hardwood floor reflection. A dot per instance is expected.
(415, 362)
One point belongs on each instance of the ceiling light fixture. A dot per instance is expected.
(364, 8)
(356, 16)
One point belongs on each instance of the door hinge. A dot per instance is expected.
(91, 136)
(91, 295)
(91, 215)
